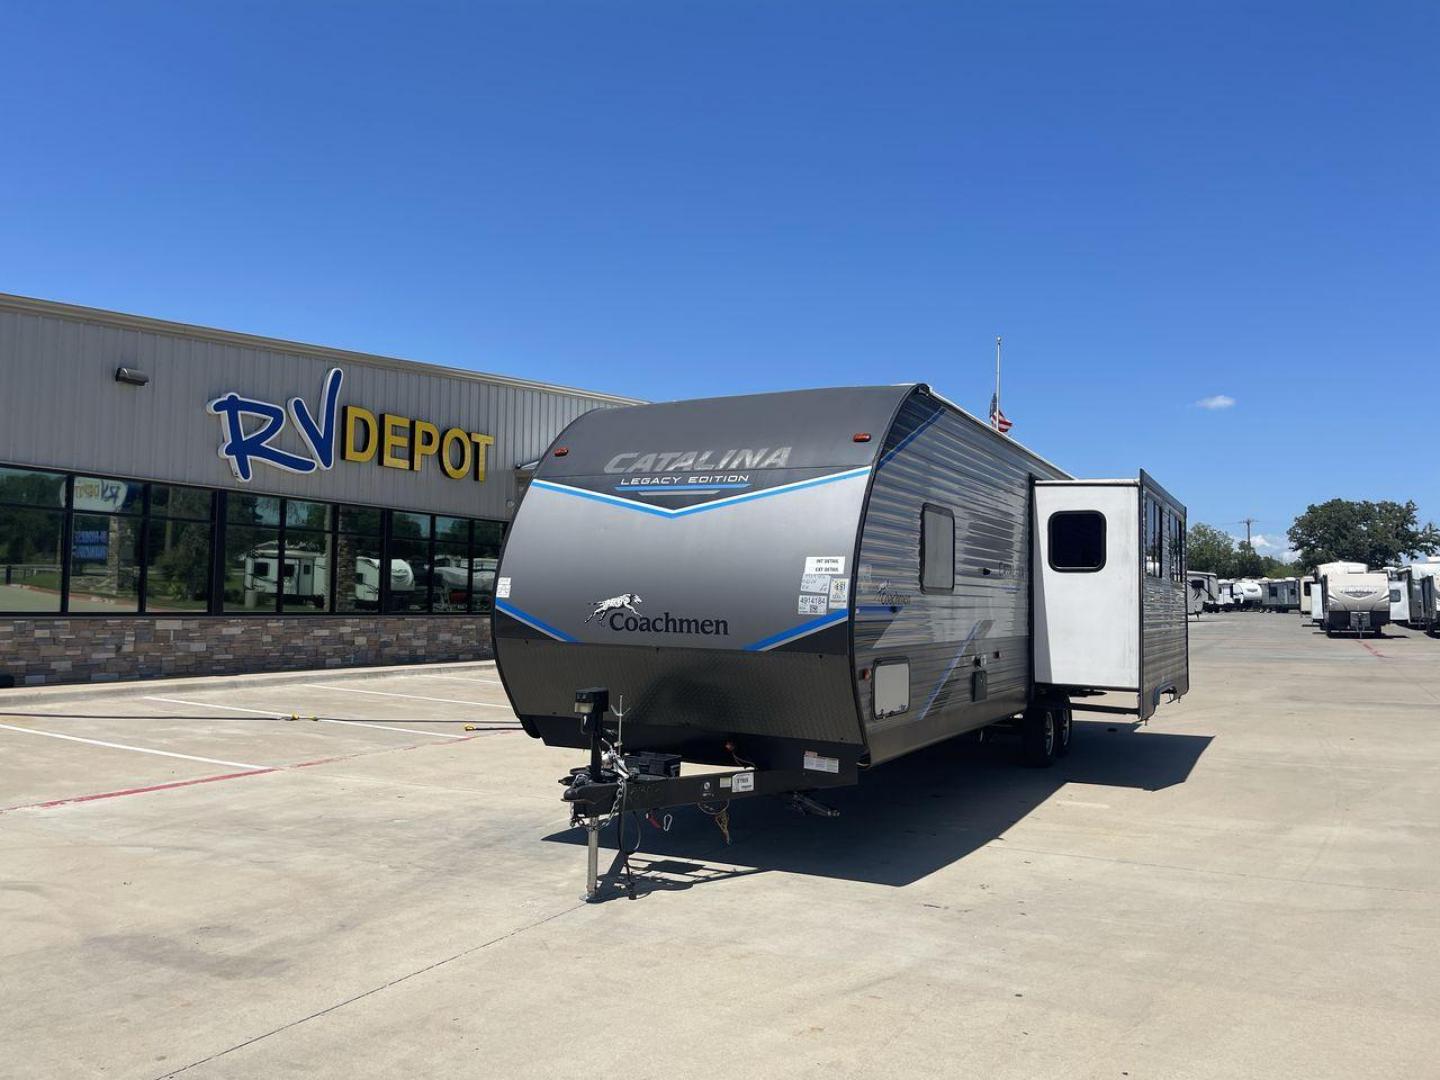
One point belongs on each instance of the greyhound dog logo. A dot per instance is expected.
(626, 601)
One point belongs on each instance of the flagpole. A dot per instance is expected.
(994, 419)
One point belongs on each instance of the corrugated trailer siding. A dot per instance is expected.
(1164, 628)
(57, 371)
(985, 480)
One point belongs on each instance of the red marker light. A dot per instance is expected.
(861, 436)
(561, 451)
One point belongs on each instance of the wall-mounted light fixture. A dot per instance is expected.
(133, 376)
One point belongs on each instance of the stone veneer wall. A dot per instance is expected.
(61, 650)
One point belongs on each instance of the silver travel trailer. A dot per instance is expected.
(799, 586)
(1280, 594)
(1308, 586)
(1410, 584)
(1247, 594)
(1399, 597)
(1430, 604)
(1317, 591)
(1354, 600)
(1225, 592)
(1204, 593)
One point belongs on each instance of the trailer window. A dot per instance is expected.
(891, 687)
(1077, 541)
(937, 549)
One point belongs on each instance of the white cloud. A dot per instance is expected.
(1216, 401)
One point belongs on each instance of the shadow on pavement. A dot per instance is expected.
(904, 820)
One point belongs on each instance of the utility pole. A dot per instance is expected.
(1247, 522)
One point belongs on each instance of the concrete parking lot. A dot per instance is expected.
(331, 875)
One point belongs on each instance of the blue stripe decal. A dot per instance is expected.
(795, 632)
(684, 511)
(531, 621)
(903, 443)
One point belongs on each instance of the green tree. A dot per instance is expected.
(1375, 533)
(1249, 563)
(1210, 549)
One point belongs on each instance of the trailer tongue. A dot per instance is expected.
(872, 572)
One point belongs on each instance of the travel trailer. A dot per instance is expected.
(802, 586)
(1317, 592)
(1308, 586)
(1429, 617)
(1247, 594)
(1399, 597)
(1354, 600)
(1280, 594)
(1204, 593)
(1409, 584)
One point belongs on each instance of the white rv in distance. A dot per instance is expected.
(1407, 596)
(1355, 600)
(1308, 587)
(1280, 594)
(1204, 593)
(1248, 594)
(1317, 591)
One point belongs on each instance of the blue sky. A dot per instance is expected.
(1154, 204)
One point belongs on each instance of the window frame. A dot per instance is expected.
(1104, 541)
(946, 512)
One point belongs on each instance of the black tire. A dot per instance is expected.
(1038, 735)
(1065, 732)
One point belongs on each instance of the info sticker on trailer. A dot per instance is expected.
(811, 605)
(815, 583)
(824, 564)
(820, 763)
(742, 782)
(839, 592)
(502, 589)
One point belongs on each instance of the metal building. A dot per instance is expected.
(181, 500)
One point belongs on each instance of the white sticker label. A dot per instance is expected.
(820, 763)
(815, 583)
(811, 605)
(824, 564)
(839, 592)
(502, 588)
(743, 781)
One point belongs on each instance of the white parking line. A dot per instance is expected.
(412, 697)
(452, 678)
(137, 749)
(276, 714)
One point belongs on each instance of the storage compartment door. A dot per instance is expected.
(1087, 587)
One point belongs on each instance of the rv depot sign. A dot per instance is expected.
(249, 429)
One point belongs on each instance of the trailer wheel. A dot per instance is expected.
(1039, 735)
(1064, 730)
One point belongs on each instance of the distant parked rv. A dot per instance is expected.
(1407, 596)
(1355, 600)
(1280, 594)
(1204, 593)
(1317, 592)
(1248, 594)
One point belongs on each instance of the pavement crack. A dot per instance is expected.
(373, 990)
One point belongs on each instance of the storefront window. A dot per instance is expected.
(409, 563)
(177, 554)
(252, 568)
(32, 529)
(357, 560)
(484, 559)
(105, 564)
(307, 557)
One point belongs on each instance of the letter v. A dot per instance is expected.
(320, 440)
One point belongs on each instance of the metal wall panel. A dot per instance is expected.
(1164, 629)
(936, 455)
(62, 408)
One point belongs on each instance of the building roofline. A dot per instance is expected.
(120, 320)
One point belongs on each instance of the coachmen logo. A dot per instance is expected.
(620, 614)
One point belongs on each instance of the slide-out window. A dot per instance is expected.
(937, 549)
(1077, 541)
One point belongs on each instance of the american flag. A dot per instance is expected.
(998, 419)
